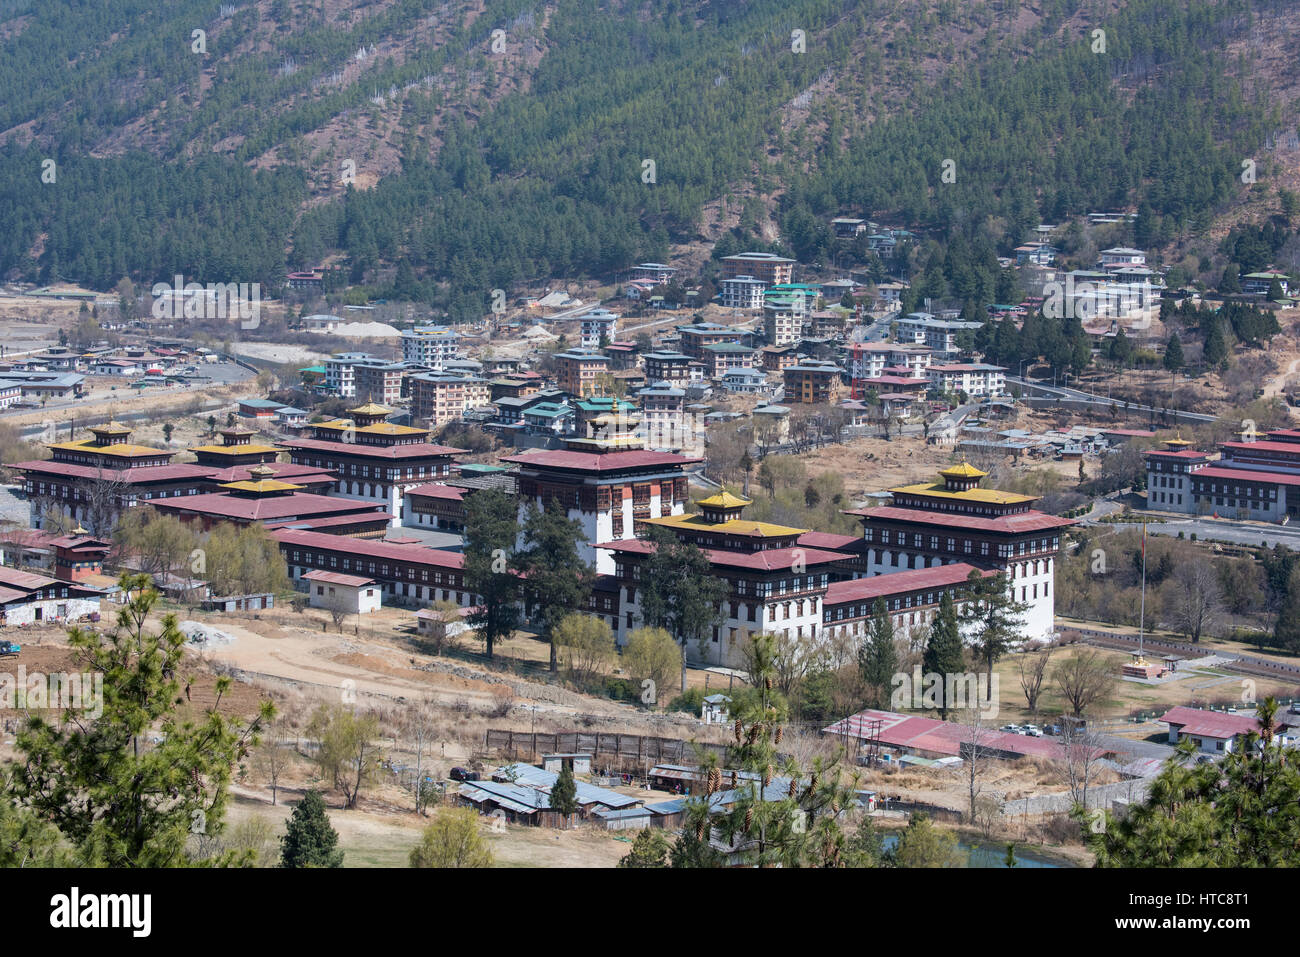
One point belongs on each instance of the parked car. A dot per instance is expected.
(463, 774)
(1012, 729)
(1033, 730)
(1052, 729)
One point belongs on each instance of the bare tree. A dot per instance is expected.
(1082, 749)
(1083, 679)
(1199, 600)
(421, 728)
(273, 758)
(104, 499)
(977, 755)
(1033, 670)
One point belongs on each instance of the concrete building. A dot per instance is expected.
(430, 346)
(351, 594)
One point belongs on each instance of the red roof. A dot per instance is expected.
(369, 548)
(1290, 448)
(829, 540)
(412, 451)
(1247, 475)
(915, 733)
(272, 507)
(284, 472)
(336, 578)
(139, 475)
(898, 583)
(1215, 724)
(1030, 521)
(767, 559)
(434, 490)
(599, 462)
(896, 381)
(1184, 454)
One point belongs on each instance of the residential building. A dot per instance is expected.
(811, 382)
(671, 367)
(349, 594)
(430, 346)
(442, 397)
(769, 269)
(975, 379)
(1259, 283)
(579, 373)
(656, 273)
(340, 377)
(720, 358)
(938, 335)
(596, 328)
(696, 338)
(742, 292)
(379, 381)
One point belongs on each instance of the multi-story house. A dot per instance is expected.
(442, 397)
(579, 373)
(769, 269)
(430, 346)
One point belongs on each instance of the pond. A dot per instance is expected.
(990, 855)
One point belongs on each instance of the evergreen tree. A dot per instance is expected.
(792, 821)
(679, 591)
(564, 793)
(555, 578)
(116, 800)
(1173, 360)
(309, 839)
(992, 617)
(1230, 283)
(649, 849)
(877, 656)
(1241, 812)
(944, 653)
(1216, 346)
(490, 530)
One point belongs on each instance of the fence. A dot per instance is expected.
(639, 748)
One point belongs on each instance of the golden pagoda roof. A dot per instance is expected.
(379, 428)
(1181, 442)
(249, 449)
(724, 499)
(963, 471)
(120, 449)
(934, 490)
(735, 526)
(261, 485)
(371, 408)
(115, 427)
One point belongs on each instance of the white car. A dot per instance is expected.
(1033, 730)
(1012, 729)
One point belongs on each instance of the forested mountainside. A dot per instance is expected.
(483, 144)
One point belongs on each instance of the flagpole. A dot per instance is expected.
(1142, 615)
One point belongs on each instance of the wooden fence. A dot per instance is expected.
(641, 749)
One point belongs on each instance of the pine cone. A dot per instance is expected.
(779, 730)
(699, 830)
(739, 728)
(715, 780)
(792, 787)
(767, 775)
(749, 818)
(767, 683)
(753, 734)
(835, 806)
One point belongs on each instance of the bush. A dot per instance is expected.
(622, 689)
(692, 701)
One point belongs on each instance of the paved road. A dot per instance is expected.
(1037, 393)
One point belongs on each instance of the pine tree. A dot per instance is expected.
(944, 654)
(564, 793)
(555, 578)
(650, 849)
(877, 657)
(117, 801)
(490, 529)
(992, 617)
(1173, 360)
(310, 840)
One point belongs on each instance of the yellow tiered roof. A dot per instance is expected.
(736, 526)
(724, 499)
(122, 449)
(370, 408)
(963, 471)
(234, 449)
(380, 428)
(970, 495)
(115, 427)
